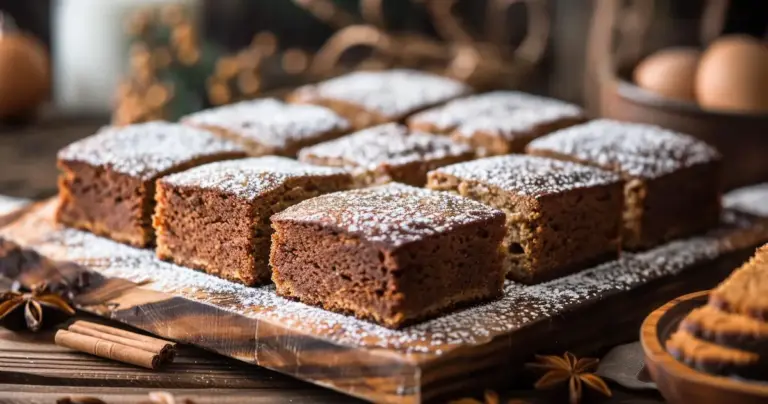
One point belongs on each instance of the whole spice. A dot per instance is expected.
(34, 309)
(572, 370)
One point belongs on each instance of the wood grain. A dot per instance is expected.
(392, 366)
(679, 383)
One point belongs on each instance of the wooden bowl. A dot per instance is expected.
(679, 383)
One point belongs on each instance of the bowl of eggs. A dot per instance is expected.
(717, 92)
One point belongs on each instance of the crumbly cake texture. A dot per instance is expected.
(107, 184)
(745, 291)
(216, 217)
(710, 324)
(391, 254)
(560, 216)
(386, 153)
(269, 126)
(713, 358)
(672, 180)
(371, 98)
(499, 122)
(521, 306)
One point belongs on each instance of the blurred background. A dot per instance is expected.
(68, 67)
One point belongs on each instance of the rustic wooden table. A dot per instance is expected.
(33, 369)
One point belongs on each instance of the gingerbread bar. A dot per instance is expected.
(107, 184)
(268, 126)
(499, 122)
(672, 180)
(561, 216)
(216, 217)
(388, 153)
(371, 98)
(391, 254)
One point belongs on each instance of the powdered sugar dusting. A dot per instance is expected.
(521, 305)
(272, 122)
(389, 144)
(530, 175)
(393, 93)
(249, 178)
(639, 150)
(9, 204)
(753, 200)
(507, 111)
(146, 150)
(393, 214)
(517, 123)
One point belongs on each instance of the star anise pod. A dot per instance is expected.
(577, 372)
(33, 309)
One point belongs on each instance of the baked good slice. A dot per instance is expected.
(712, 358)
(732, 330)
(672, 180)
(391, 254)
(107, 184)
(499, 122)
(216, 217)
(745, 291)
(389, 152)
(271, 127)
(561, 216)
(369, 98)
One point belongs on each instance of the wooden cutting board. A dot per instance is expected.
(471, 348)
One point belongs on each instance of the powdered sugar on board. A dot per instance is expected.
(521, 305)
(753, 200)
(9, 204)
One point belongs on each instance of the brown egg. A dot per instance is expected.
(24, 74)
(733, 75)
(669, 72)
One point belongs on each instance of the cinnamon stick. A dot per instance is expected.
(108, 349)
(121, 333)
(164, 348)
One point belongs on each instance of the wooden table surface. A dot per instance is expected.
(33, 369)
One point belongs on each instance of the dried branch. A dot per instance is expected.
(373, 12)
(328, 12)
(327, 58)
(531, 50)
(448, 26)
(496, 12)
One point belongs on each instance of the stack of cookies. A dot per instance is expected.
(367, 194)
(729, 336)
